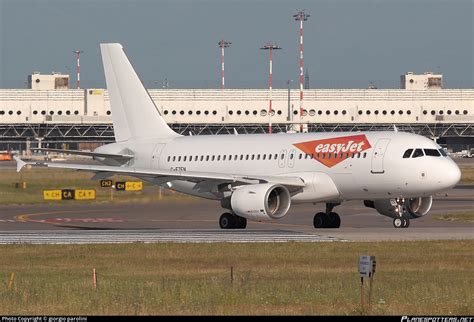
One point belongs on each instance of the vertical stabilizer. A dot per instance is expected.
(134, 113)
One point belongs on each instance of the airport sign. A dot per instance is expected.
(69, 194)
(106, 183)
(128, 185)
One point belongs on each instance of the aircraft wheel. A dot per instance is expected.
(335, 220)
(398, 222)
(319, 220)
(406, 223)
(227, 221)
(241, 222)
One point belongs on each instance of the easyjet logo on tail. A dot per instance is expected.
(335, 150)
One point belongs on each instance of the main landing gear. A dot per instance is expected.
(401, 221)
(327, 219)
(231, 221)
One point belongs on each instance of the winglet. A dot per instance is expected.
(19, 163)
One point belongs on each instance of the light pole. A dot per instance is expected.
(301, 16)
(270, 47)
(78, 56)
(223, 44)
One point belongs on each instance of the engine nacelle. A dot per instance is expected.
(412, 207)
(261, 201)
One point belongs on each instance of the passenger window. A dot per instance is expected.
(365, 155)
(418, 153)
(432, 152)
(184, 158)
(202, 158)
(301, 156)
(247, 157)
(323, 155)
(258, 156)
(264, 156)
(276, 156)
(213, 158)
(282, 156)
(174, 158)
(253, 157)
(207, 158)
(407, 153)
(358, 155)
(291, 156)
(169, 158)
(196, 158)
(223, 157)
(329, 155)
(218, 158)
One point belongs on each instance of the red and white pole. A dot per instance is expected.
(223, 44)
(270, 85)
(301, 16)
(301, 74)
(78, 55)
(222, 70)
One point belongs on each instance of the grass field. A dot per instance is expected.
(413, 278)
(38, 179)
(467, 216)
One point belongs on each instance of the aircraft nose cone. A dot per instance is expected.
(452, 175)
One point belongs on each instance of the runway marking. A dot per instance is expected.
(159, 236)
(53, 221)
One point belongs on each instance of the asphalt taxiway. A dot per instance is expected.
(195, 220)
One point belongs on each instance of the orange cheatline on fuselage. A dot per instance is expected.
(331, 152)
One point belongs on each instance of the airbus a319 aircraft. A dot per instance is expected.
(259, 176)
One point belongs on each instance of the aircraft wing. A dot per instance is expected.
(89, 154)
(163, 176)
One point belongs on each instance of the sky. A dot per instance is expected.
(347, 43)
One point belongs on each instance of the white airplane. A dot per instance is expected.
(259, 176)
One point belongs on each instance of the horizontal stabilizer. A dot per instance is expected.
(86, 153)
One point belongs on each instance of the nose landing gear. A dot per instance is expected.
(401, 221)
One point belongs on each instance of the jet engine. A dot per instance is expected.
(412, 207)
(261, 201)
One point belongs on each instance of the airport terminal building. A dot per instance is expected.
(50, 113)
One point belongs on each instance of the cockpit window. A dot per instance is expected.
(443, 153)
(432, 152)
(417, 153)
(407, 153)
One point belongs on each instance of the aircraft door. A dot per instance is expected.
(378, 155)
(281, 158)
(291, 158)
(155, 158)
